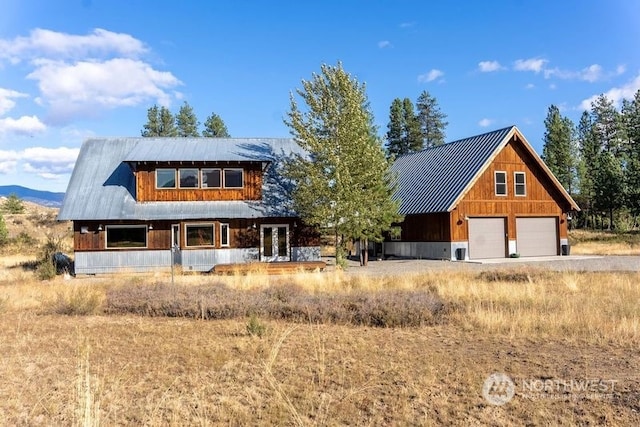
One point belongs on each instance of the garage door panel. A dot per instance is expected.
(487, 238)
(537, 236)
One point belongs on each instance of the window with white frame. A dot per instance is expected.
(165, 178)
(211, 178)
(520, 183)
(500, 183)
(200, 235)
(233, 178)
(126, 236)
(189, 178)
(224, 234)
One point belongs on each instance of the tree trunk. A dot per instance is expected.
(364, 252)
(610, 218)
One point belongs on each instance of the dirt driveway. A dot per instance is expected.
(565, 263)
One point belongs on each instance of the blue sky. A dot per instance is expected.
(70, 70)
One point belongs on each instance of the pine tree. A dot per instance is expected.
(432, 120)
(345, 182)
(631, 115)
(214, 127)
(412, 131)
(160, 122)
(559, 152)
(607, 125)
(587, 167)
(608, 185)
(4, 233)
(395, 132)
(187, 122)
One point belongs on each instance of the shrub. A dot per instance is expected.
(45, 270)
(255, 326)
(4, 233)
(13, 204)
(77, 302)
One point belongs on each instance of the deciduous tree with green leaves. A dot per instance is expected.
(187, 122)
(214, 127)
(344, 183)
(431, 119)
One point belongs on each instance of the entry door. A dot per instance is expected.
(176, 254)
(274, 243)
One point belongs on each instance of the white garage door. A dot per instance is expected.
(487, 238)
(537, 236)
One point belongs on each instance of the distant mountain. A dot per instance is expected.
(44, 198)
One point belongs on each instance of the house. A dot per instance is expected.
(487, 196)
(139, 204)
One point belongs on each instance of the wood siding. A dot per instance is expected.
(242, 233)
(146, 190)
(426, 228)
(541, 199)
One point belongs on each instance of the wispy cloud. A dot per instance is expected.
(485, 123)
(430, 76)
(44, 162)
(532, 64)
(7, 97)
(407, 24)
(615, 94)
(530, 86)
(489, 66)
(384, 44)
(25, 125)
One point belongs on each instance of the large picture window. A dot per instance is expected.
(126, 236)
(200, 235)
(189, 178)
(501, 183)
(211, 178)
(233, 178)
(165, 178)
(520, 183)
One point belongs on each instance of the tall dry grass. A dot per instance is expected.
(599, 242)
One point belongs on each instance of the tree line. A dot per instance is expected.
(598, 161)
(162, 122)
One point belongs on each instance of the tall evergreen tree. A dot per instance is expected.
(412, 132)
(345, 182)
(607, 125)
(187, 122)
(395, 133)
(608, 185)
(587, 167)
(631, 115)
(432, 120)
(559, 152)
(214, 127)
(160, 122)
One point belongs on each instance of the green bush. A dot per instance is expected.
(255, 326)
(4, 233)
(13, 204)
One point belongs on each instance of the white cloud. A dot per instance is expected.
(532, 64)
(592, 73)
(7, 99)
(489, 66)
(407, 24)
(51, 44)
(530, 86)
(616, 94)
(25, 125)
(621, 69)
(485, 123)
(45, 162)
(430, 76)
(553, 86)
(86, 86)
(384, 44)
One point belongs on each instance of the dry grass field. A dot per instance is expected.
(590, 242)
(319, 348)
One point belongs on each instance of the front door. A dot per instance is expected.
(274, 243)
(176, 255)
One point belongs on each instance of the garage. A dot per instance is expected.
(537, 236)
(487, 238)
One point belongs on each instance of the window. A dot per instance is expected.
(520, 183)
(224, 234)
(501, 183)
(211, 178)
(189, 178)
(233, 178)
(200, 235)
(126, 236)
(165, 178)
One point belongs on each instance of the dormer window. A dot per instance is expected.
(189, 178)
(165, 178)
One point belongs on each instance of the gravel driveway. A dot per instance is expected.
(565, 263)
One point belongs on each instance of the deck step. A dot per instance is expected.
(269, 267)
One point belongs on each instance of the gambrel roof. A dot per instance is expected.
(102, 186)
(436, 179)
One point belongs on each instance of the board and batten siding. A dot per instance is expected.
(146, 190)
(541, 199)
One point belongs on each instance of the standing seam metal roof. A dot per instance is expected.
(431, 180)
(102, 185)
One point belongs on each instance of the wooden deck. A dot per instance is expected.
(269, 267)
